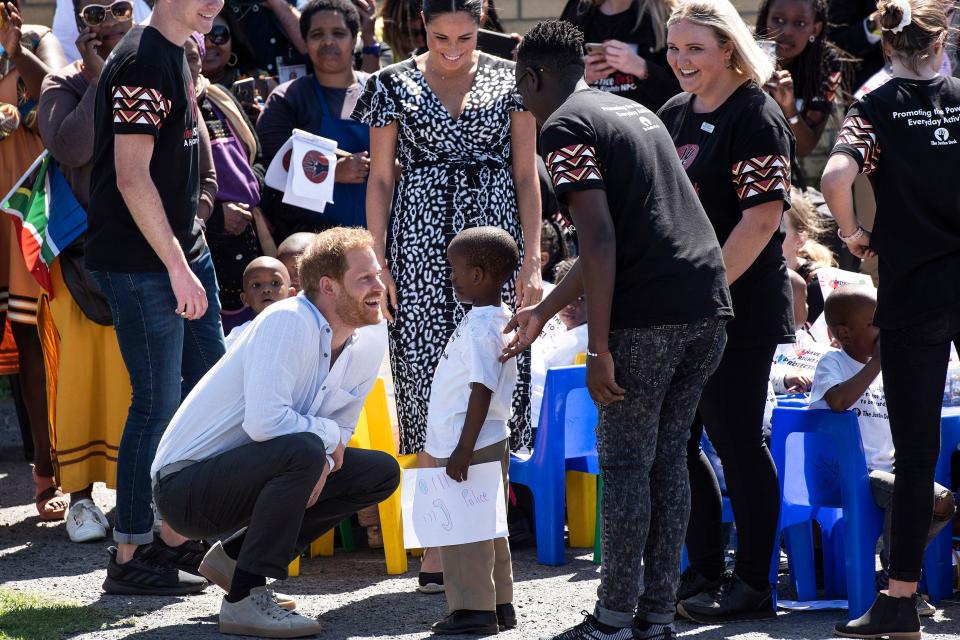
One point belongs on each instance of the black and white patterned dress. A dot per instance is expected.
(455, 174)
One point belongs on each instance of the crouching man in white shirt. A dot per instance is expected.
(258, 446)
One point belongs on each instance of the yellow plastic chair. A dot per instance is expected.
(373, 432)
(581, 500)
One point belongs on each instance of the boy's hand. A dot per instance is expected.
(797, 383)
(459, 463)
(601, 381)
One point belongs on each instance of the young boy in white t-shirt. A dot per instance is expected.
(850, 378)
(470, 404)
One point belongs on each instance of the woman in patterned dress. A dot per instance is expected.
(467, 153)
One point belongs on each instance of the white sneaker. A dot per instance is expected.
(259, 615)
(86, 522)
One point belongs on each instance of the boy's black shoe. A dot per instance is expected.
(148, 573)
(692, 583)
(506, 617)
(643, 630)
(464, 621)
(894, 618)
(186, 557)
(733, 602)
(593, 629)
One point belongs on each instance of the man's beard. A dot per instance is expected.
(355, 313)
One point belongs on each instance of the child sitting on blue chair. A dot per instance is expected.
(470, 404)
(850, 378)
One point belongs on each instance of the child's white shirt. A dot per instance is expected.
(554, 349)
(837, 367)
(471, 357)
(236, 332)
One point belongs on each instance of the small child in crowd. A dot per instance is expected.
(289, 253)
(558, 347)
(783, 378)
(265, 281)
(470, 404)
(850, 378)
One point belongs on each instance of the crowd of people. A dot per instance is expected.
(637, 182)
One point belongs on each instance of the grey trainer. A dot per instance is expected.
(259, 615)
(218, 567)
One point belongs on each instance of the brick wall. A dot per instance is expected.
(520, 15)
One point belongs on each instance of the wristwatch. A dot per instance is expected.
(372, 49)
(794, 119)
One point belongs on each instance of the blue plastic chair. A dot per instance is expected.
(793, 400)
(938, 560)
(821, 468)
(566, 440)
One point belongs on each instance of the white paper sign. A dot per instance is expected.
(276, 177)
(313, 165)
(439, 511)
(801, 356)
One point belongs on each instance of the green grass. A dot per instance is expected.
(31, 616)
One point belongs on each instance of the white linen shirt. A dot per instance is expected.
(471, 357)
(276, 380)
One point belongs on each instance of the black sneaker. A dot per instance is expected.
(186, 557)
(734, 601)
(593, 629)
(643, 630)
(464, 622)
(692, 582)
(894, 618)
(506, 617)
(148, 574)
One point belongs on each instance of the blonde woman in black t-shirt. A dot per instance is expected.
(736, 147)
(905, 135)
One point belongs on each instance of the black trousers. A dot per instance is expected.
(731, 407)
(914, 365)
(264, 486)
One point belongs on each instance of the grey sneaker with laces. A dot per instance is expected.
(259, 615)
(218, 568)
(592, 629)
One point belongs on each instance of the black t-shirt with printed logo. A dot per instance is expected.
(905, 135)
(738, 157)
(669, 267)
(145, 88)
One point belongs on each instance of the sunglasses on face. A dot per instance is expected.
(219, 35)
(93, 15)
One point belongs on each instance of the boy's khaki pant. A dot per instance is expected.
(479, 576)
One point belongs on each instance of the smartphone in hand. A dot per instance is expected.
(594, 48)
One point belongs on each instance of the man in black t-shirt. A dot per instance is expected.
(657, 301)
(145, 248)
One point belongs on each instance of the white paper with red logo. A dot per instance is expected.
(311, 173)
(831, 278)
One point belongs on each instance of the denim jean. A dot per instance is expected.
(165, 357)
(914, 366)
(641, 442)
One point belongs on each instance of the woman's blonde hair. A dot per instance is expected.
(659, 11)
(748, 58)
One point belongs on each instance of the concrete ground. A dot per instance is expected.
(351, 591)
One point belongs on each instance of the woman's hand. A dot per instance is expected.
(368, 18)
(596, 67)
(236, 217)
(860, 247)
(389, 300)
(10, 33)
(353, 169)
(621, 57)
(87, 44)
(780, 88)
(529, 284)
